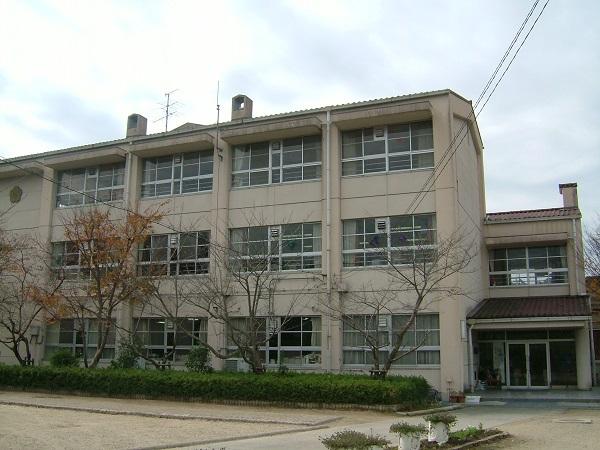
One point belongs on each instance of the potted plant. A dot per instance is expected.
(409, 436)
(354, 440)
(439, 427)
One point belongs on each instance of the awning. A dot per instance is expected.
(575, 306)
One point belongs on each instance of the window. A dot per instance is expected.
(274, 162)
(278, 247)
(295, 340)
(521, 266)
(375, 242)
(66, 334)
(177, 174)
(175, 254)
(423, 335)
(388, 148)
(99, 184)
(66, 260)
(170, 339)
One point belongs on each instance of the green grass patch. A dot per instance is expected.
(407, 392)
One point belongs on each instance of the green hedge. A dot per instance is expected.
(272, 387)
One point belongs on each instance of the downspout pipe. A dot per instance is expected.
(328, 225)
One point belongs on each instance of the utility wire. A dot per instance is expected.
(96, 200)
(449, 152)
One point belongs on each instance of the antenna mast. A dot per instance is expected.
(167, 109)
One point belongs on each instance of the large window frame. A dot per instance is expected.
(174, 254)
(389, 148)
(295, 341)
(400, 240)
(161, 337)
(65, 334)
(275, 162)
(528, 266)
(181, 173)
(287, 247)
(422, 339)
(90, 185)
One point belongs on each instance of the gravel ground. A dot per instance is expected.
(545, 433)
(25, 427)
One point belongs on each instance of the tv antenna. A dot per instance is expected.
(167, 108)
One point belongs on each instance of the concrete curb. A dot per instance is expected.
(238, 438)
(494, 437)
(430, 411)
(170, 416)
(256, 403)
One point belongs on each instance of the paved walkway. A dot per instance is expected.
(564, 395)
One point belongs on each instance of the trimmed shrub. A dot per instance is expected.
(407, 392)
(125, 359)
(198, 360)
(64, 358)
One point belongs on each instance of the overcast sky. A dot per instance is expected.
(71, 72)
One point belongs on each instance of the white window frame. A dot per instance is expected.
(528, 274)
(90, 174)
(165, 347)
(177, 180)
(274, 248)
(387, 153)
(387, 341)
(386, 252)
(74, 346)
(173, 258)
(275, 151)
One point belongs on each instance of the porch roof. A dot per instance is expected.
(524, 307)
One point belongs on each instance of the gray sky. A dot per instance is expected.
(71, 72)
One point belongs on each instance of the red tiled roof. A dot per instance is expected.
(522, 307)
(509, 216)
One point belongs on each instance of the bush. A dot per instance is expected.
(353, 440)
(126, 359)
(447, 419)
(407, 429)
(64, 358)
(406, 392)
(468, 433)
(198, 360)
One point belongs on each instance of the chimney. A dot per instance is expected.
(569, 193)
(241, 107)
(136, 125)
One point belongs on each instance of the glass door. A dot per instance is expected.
(528, 364)
(538, 365)
(517, 365)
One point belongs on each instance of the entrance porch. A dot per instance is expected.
(532, 352)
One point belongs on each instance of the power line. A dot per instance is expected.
(449, 152)
(96, 200)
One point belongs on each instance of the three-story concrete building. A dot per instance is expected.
(320, 183)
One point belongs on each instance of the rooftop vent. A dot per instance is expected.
(136, 125)
(241, 107)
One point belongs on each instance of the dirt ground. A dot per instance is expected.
(25, 427)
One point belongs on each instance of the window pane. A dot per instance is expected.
(401, 162)
(259, 177)
(292, 173)
(374, 147)
(422, 160)
(260, 155)
(312, 172)
(374, 165)
(352, 168)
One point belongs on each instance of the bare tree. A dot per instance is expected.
(98, 260)
(242, 289)
(416, 278)
(23, 294)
